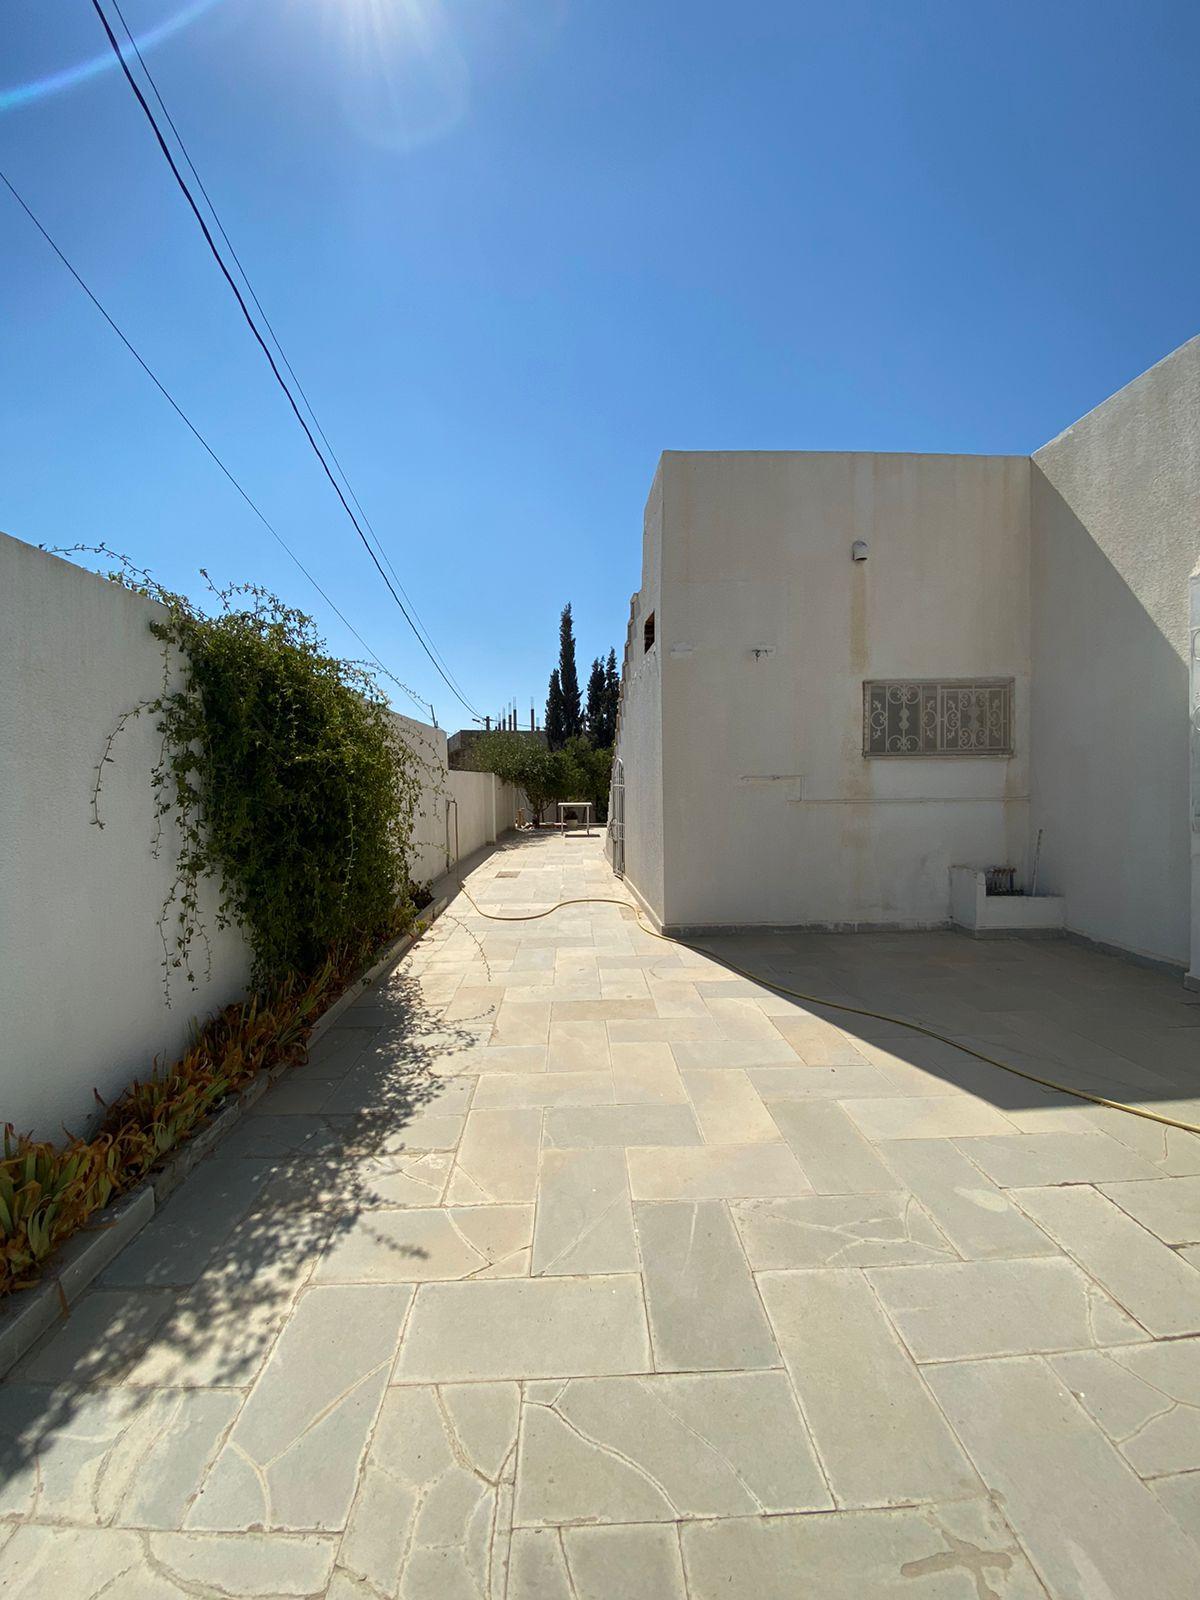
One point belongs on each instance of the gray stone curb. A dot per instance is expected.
(28, 1314)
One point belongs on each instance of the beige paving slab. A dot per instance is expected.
(1169, 1207)
(584, 1215)
(635, 1561)
(879, 1435)
(292, 1459)
(1027, 1160)
(657, 1449)
(416, 1246)
(1089, 1524)
(103, 1563)
(101, 1339)
(601, 1010)
(828, 1083)
(675, 996)
(1139, 1271)
(434, 1507)
(620, 1125)
(497, 1158)
(1146, 1398)
(706, 1054)
(665, 1030)
(954, 1310)
(945, 1116)
(646, 1074)
(962, 1551)
(686, 1251)
(577, 1047)
(173, 1466)
(526, 1089)
(976, 1216)
(835, 1157)
(715, 1172)
(522, 1023)
(525, 1328)
(820, 1230)
(818, 1043)
(728, 1108)
(741, 1018)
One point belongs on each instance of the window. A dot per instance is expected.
(648, 632)
(938, 717)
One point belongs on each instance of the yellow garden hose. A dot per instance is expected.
(836, 1005)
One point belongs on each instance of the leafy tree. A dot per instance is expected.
(597, 704)
(588, 774)
(555, 735)
(568, 677)
(524, 762)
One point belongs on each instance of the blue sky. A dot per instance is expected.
(515, 248)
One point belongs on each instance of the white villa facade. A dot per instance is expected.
(848, 673)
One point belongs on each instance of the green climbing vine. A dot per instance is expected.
(288, 782)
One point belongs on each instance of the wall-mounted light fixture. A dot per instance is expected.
(858, 550)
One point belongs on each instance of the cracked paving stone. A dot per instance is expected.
(961, 1551)
(433, 1513)
(1138, 1270)
(1147, 1400)
(634, 1562)
(1169, 1207)
(116, 1564)
(1180, 1494)
(74, 1456)
(417, 1246)
(1090, 1525)
(705, 1313)
(834, 1230)
(954, 1310)
(878, 1434)
(498, 1158)
(292, 1459)
(660, 1448)
(978, 1218)
(584, 1215)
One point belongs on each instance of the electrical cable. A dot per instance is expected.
(187, 156)
(184, 418)
(837, 1005)
(253, 326)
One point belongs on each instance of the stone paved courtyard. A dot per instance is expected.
(573, 1267)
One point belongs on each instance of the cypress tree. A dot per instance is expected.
(612, 680)
(555, 737)
(568, 678)
(597, 705)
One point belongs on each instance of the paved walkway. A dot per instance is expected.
(573, 1268)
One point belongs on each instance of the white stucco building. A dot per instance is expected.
(846, 674)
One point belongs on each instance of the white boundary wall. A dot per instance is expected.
(81, 974)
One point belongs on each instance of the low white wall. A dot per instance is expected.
(1194, 627)
(81, 959)
(1116, 536)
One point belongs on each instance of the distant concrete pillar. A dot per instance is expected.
(1193, 978)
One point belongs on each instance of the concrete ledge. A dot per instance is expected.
(975, 911)
(29, 1313)
(701, 930)
(26, 1315)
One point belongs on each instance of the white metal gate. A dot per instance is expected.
(616, 817)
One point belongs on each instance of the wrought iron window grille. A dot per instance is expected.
(938, 717)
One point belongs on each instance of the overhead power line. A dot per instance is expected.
(187, 421)
(291, 371)
(253, 326)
